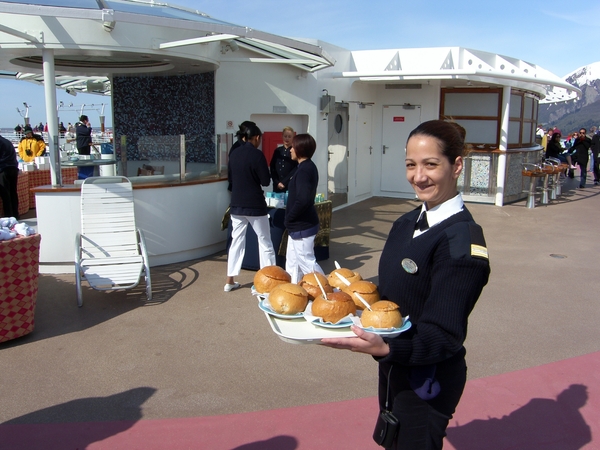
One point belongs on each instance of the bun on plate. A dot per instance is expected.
(309, 283)
(267, 278)
(384, 314)
(366, 289)
(288, 298)
(335, 281)
(332, 309)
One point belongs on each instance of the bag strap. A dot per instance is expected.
(387, 395)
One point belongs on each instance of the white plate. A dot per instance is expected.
(387, 332)
(265, 306)
(344, 322)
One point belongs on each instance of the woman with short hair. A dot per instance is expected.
(301, 218)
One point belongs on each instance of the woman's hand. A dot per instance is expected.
(364, 342)
(281, 186)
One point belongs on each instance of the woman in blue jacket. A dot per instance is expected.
(301, 218)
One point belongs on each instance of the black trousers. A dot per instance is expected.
(596, 168)
(8, 191)
(423, 423)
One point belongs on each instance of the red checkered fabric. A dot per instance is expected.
(19, 272)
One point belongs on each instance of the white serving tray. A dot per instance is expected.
(299, 331)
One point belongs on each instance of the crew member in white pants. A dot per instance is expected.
(260, 225)
(300, 257)
(301, 218)
(248, 172)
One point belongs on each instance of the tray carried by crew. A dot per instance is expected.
(300, 331)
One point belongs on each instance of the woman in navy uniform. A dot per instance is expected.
(434, 265)
(283, 166)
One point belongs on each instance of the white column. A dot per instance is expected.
(51, 115)
(504, 119)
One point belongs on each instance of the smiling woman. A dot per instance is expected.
(433, 165)
(434, 269)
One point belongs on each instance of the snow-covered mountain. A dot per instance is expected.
(585, 112)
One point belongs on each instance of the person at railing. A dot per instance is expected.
(9, 175)
(31, 145)
(282, 165)
(83, 138)
(248, 172)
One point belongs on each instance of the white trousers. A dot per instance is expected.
(237, 250)
(300, 258)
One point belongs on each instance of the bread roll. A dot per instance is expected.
(309, 283)
(288, 298)
(332, 309)
(366, 289)
(267, 278)
(384, 314)
(346, 273)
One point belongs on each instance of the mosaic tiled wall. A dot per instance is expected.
(514, 178)
(165, 106)
(479, 175)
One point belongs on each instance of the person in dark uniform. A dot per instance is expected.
(240, 140)
(83, 139)
(301, 218)
(283, 165)
(595, 148)
(9, 175)
(581, 148)
(434, 265)
(248, 172)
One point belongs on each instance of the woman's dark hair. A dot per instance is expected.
(448, 134)
(241, 132)
(251, 130)
(556, 136)
(304, 145)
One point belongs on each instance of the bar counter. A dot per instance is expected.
(181, 220)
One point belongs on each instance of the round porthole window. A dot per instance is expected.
(338, 123)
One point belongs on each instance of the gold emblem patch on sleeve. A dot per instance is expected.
(478, 251)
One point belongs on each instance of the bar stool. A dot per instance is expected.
(547, 188)
(559, 168)
(533, 172)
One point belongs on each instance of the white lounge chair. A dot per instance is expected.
(110, 251)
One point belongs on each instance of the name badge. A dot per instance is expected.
(409, 265)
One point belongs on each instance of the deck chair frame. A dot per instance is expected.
(110, 251)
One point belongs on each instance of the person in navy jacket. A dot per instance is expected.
(434, 266)
(248, 172)
(301, 218)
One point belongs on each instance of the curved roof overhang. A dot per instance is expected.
(93, 40)
(457, 67)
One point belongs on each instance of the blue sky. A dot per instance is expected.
(558, 35)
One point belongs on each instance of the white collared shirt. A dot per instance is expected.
(441, 212)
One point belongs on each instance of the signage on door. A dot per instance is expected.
(398, 118)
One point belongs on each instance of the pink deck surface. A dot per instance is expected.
(553, 406)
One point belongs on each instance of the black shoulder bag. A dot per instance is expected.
(387, 425)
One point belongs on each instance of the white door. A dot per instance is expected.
(364, 150)
(398, 122)
(337, 149)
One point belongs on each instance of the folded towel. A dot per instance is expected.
(23, 230)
